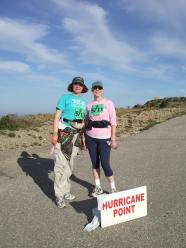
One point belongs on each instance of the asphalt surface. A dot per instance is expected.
(156, 158)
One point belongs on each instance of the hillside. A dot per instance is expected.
(168, 102)
(35, 130)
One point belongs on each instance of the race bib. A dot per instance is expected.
(97, 109)
(80, 113)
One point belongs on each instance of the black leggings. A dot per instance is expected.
(99, 150)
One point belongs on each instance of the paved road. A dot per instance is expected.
(156, 158)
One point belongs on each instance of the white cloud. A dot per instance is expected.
(165, 44)
(25, 38)
(170, 12)
(93, 38)
(47, 81)
(96, 44)
(13, 66)
(160, 72)
(89, 75)
(165, 37)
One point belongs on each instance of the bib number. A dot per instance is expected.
(79, 113)
(97, 109)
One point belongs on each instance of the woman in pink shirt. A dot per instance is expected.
(101, 136)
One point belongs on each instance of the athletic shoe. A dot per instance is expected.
(69, 196)
(97, 191)
(92, 225)
(60, 202)
(113, 190)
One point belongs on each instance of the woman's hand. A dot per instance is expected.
(85, 147)
(54, 139)
(114, 144)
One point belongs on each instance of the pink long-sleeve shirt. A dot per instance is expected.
(101, 110)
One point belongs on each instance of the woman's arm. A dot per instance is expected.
(113, 137)
(112, 116)
(55, 126)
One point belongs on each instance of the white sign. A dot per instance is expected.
(122, 206)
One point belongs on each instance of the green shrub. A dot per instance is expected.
(138, 106)
(164, 104)
(7, 122)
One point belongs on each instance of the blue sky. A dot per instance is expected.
(136, 47)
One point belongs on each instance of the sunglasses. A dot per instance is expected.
(97, 87)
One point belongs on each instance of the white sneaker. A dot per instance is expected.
(97, 191)
(60, 202)
(92, 225)
(69, 196)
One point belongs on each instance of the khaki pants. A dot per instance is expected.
(62, 171)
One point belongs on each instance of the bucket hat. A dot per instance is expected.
(77, 80)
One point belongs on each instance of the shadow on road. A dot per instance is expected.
(38, 168)
(85, 207)
(83, 183)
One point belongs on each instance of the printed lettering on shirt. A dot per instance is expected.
(78, 102)
(80, 113)
(97, 109)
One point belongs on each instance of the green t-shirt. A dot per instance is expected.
(72, 107)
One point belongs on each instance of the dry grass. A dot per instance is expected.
(123, 111)
(14, 122)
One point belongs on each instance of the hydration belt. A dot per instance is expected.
(97, 124)
(75, 120)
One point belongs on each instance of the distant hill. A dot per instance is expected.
(167, 102)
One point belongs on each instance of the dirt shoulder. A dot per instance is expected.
(129, 122)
